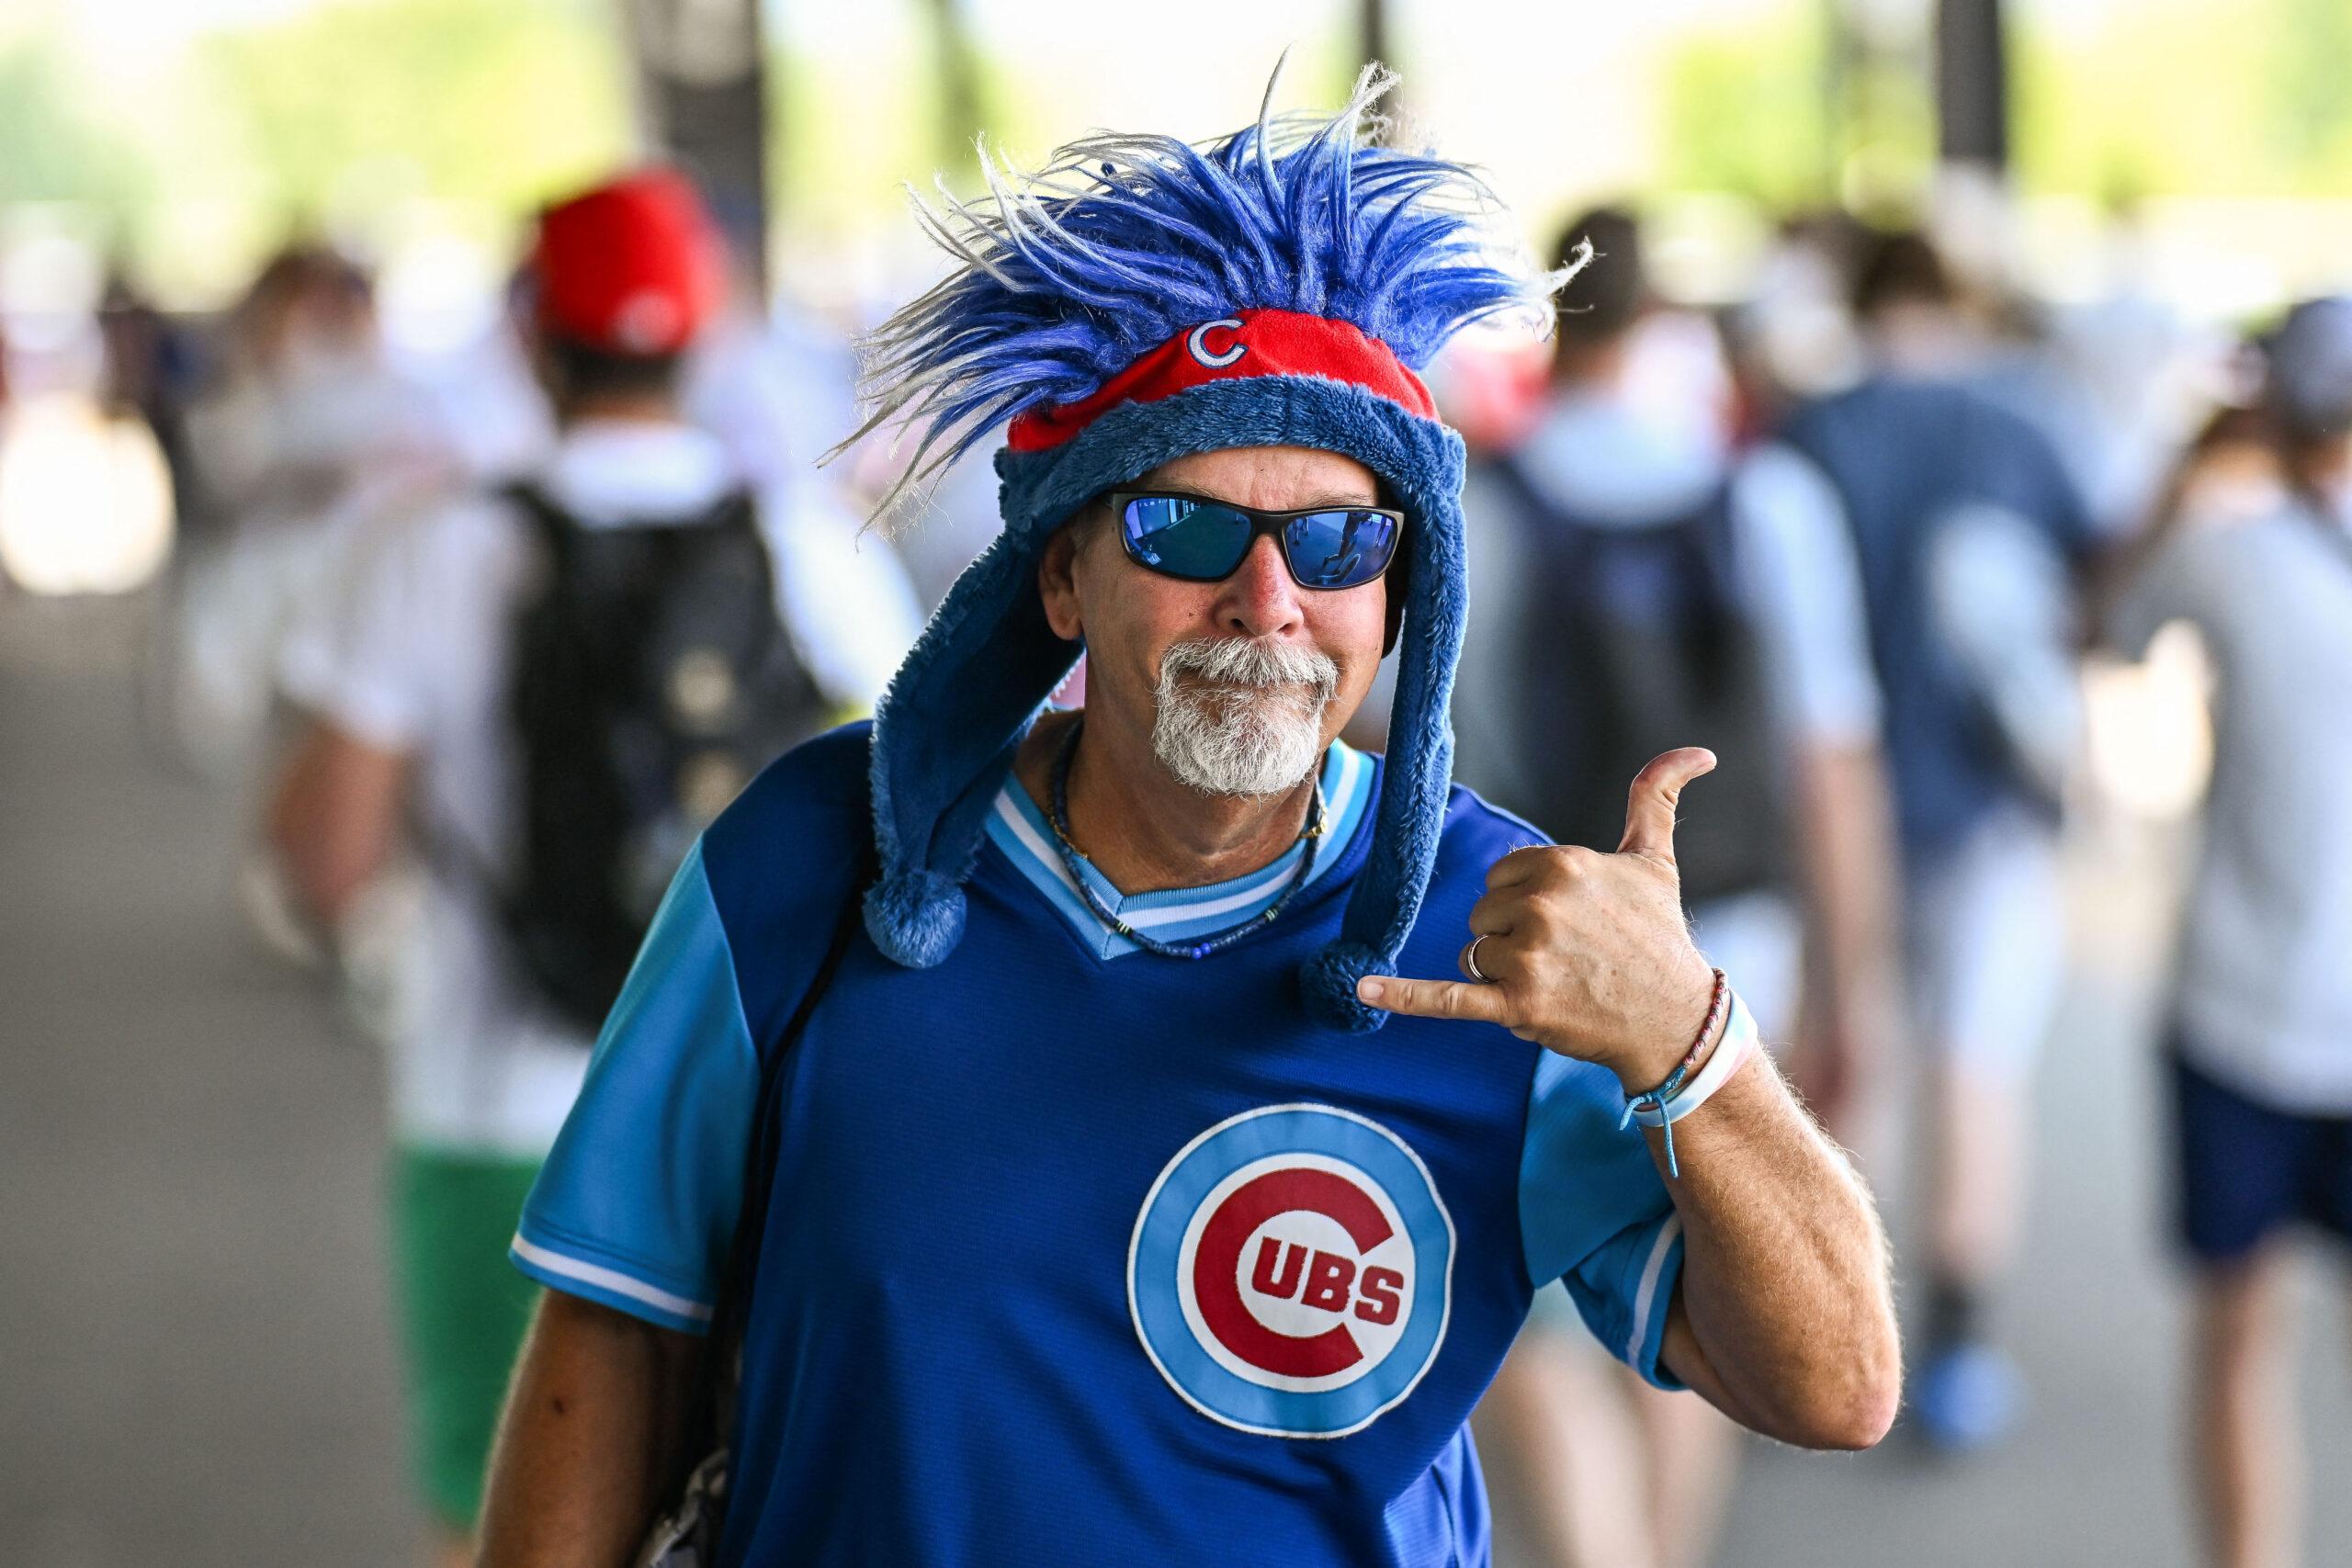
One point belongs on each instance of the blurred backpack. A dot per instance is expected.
(1642, 643)
(652, 680)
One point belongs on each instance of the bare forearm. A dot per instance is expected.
(335, 817)
(591, 1437)
(1785, 1293)
(1784, 1312)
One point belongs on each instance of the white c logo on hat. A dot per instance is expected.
(1198, 345)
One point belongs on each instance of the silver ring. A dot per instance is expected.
(1470, 962)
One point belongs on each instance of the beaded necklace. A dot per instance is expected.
(1217, 942)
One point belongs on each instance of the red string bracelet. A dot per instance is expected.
(1658, 1099)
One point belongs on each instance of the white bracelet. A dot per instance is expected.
(1731, 1053)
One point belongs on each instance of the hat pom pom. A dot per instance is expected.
(916, 918)
(1328, 983)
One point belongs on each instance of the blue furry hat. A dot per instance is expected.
(1140, 300)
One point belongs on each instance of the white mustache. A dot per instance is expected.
(1247, 662)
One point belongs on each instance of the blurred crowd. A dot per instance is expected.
(1856, 531)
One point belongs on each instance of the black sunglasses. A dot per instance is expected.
(1200, 540)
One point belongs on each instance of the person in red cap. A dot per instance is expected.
(631, 271)
(545, 689)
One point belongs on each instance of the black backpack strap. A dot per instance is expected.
(1551, 536)
(734, 508)
(1508, 469)
(737, 508)
(716, 1400)
(548, 522)
(750, 1222)
(1528, 506)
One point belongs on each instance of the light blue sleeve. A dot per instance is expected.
(1795, 557)
(1594, 1214)
(637, 1205)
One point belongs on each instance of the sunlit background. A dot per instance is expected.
(2198, 150)
(2175, 171)
(2191, 154)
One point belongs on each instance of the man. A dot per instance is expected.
(1635, 590)
(1137, 1195)
(308, 429)
(2261, 1020)
(1964, 525)
(415, 680)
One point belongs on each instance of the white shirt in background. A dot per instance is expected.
(2264, 974)
(408, 651)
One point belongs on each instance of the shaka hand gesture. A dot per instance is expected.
(1583, 952)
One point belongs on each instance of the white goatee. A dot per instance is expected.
(1238, 715)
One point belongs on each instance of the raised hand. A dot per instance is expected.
(1583, 952)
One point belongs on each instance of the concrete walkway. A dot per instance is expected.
(197, 1368)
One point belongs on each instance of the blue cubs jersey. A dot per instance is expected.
(1076, 1253)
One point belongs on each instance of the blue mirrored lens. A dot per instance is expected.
(1338, 549)
(1196, 539)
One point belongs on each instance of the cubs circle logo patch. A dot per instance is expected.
(1292, 1271)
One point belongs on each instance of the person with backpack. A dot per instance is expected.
(1057, 1120)
(1970, 536)
(1635, 591)
(2259, 1026)
(542, 691)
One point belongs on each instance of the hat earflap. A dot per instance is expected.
(943, 738)
(1410, 815)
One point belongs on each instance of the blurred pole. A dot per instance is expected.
(1842, 58)
(962, 117)
(1972, 84)
(1973, 210)
(1376, 41)
(703, 104)
(1372, 30)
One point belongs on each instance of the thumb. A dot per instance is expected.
(1649, 805)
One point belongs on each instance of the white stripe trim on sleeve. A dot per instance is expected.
(1647, 1293)
(611, 1280)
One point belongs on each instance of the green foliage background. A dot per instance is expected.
(488, 105)
(2169, 97)
(488, 101)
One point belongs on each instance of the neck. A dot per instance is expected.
(1591, 366)
(2321, 470)
(619, 409)
(1922, 341)
(1141, 827)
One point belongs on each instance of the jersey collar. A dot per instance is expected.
(1018, 829)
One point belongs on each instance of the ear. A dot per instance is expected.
(1057, 582)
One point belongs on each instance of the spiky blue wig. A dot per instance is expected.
(1072, 284)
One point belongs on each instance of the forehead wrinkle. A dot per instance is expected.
(1270, 479)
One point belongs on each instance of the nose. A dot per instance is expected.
(1261, 598)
